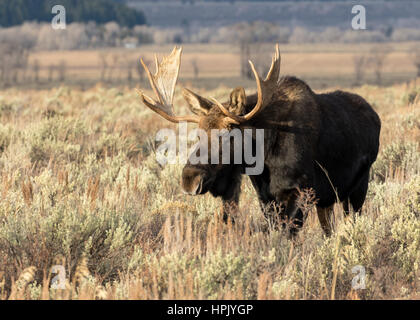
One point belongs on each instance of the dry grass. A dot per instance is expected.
(80, 188)
(312, 61)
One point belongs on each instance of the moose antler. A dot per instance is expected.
(266, 90)
(163, 84)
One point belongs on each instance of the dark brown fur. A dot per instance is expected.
(326, 142)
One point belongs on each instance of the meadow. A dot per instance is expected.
(209, 66)
(81, 189)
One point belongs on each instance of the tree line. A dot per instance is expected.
(100, 11)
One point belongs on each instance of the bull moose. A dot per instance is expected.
(326, 142)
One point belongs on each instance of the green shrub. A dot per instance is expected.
(402, 155)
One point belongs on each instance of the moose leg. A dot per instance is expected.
(230, 209)
(269, 205)
(293, 214)
(231, 200)
(324, 216)
(358, 196)
(346, 206)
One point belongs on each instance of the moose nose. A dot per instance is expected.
(192, 181)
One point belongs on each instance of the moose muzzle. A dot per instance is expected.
(194, 181)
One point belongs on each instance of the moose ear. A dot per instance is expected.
(237, 101)
(196, 103)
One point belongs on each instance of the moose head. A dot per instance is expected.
(238, 113)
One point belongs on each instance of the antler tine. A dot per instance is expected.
(152, 81)
(274, 73)
(149, 102)
(163, 84)
(265, 90)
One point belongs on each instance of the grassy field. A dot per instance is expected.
(80, 188)
(219, 64)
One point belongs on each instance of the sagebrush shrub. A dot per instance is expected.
(81, 187)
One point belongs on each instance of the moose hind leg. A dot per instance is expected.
(358, 196)
(324, 216)
(346, 206)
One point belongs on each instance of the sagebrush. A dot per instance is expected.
(81, 189)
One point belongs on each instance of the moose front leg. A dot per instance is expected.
(292, 214)
(269, 206)
(230, 200)
(230, 209)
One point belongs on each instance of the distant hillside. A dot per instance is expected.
(101, 11)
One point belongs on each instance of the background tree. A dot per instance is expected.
(115, 59)
(195, 67)
(51, 69)
(377, 60)
(245, 55)
(35, 68)
(103, 64)
(61, 70)
(416, 59)
(359, 64)
(139, 68)
(15, 48)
